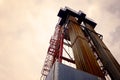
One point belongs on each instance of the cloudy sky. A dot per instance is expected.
(27, 25)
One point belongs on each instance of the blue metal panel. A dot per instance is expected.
(62, 72)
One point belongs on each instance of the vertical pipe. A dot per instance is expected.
(61, 48)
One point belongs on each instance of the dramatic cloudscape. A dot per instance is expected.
(27, 25)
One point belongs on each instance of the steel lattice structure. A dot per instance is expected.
(90, 53)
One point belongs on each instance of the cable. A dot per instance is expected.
(67, 53)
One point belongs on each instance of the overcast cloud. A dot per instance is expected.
(27, 25)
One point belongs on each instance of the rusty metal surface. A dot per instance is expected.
(109, 62)
(84, 57)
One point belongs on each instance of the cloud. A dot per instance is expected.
(114, 7)
(115, 35)
(19, 50)
(108, 24)
(114, 43)
(27, 25)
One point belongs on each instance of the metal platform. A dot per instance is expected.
(60, 71)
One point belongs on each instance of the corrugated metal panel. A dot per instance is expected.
(62, 72)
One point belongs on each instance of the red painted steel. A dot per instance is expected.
(55, 50)
(61, 48)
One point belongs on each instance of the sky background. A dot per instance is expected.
(27, 25)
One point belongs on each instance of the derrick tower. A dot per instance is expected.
(92, 59)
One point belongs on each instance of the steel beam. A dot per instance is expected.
(109, 62)
(84, 57)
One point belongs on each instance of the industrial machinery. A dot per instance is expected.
(92, 59)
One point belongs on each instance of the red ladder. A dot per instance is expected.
(53, 51)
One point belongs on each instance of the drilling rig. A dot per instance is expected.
(92, 59)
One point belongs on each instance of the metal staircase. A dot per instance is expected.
(52, 52)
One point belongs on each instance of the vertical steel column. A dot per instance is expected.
(61, 48)
(109, 62)
(84, 57)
